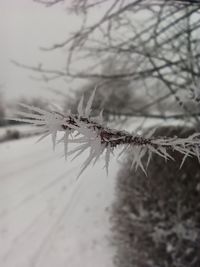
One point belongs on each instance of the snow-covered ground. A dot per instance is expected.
(48, 218)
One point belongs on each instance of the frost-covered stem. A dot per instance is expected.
(91, 133)
(107, 135)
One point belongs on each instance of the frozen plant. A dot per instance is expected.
(91, 133)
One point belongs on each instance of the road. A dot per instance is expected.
(47, 216)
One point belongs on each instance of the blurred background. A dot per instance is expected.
(142, 56)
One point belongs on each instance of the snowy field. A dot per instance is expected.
(49, 218)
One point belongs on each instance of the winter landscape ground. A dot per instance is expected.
(47, 216)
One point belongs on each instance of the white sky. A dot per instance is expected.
(24, 27)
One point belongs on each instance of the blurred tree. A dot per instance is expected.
(34, 102)
(154, 44)
(2, 109)
(114, 97)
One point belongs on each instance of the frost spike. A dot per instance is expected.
(100, 117)
(66, 139)
(31, 121)
(42, 137)
(123, 151)
(197, 152)
(184, 158)
(99, 154)
(151, 132)
(80, 107)
(53, 137)
(149, 157)
(32, 108)
(29, 115)
(81, 150)
(136, 151)
(86, 163)
(89, 103)
(107, 157)
(165, 153)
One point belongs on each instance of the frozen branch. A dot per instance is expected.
(92, 134)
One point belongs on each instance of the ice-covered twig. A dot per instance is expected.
(91, 134)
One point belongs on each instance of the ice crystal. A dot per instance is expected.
(89, 133)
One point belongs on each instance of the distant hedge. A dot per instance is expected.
(156, 219)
